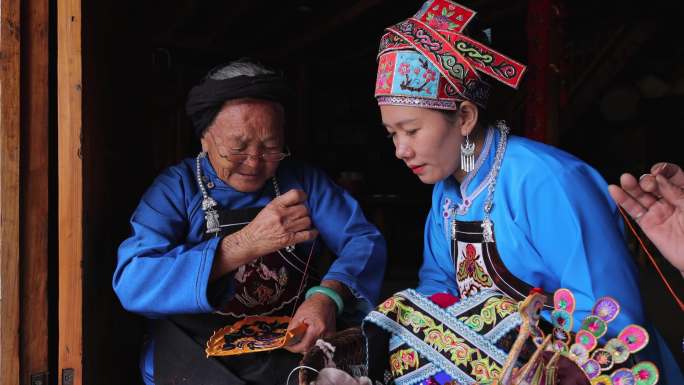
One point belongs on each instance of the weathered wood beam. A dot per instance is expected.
(10, 134)
(34, 190)
(70, 191)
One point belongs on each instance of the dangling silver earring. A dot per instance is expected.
(467, 155)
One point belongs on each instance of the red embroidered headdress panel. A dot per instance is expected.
(427, 61)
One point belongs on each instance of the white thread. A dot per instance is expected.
(287, 382)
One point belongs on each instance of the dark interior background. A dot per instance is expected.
(619, 108)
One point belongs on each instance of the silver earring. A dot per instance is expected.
(467, 155)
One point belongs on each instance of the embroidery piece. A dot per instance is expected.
(253, 334)
(459, 340)
(606, 308)
(635, 337)
(431, 347)
(403, 360)
(596, 363)
(493, 311)
(471, 272)
(563, 299)
(261, 333)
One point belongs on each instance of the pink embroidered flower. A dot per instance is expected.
(382, 79)
(440, 22)
(470, 259)
(429, 75)
(643, 374)
(404, 68)
(408, 358)
(388, 304)
(416, 70)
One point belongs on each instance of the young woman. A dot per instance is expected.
(507, 213)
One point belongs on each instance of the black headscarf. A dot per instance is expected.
(206, 99)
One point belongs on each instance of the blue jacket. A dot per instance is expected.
(164, 266)
(555, 226)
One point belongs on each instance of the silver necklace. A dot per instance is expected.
(487, 233)
(209, 204)
(467, 200)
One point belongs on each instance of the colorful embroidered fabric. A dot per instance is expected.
(260, 333)
(465, 342)
(254, 334)
(471, 271)
(598, 362)
(426, 61)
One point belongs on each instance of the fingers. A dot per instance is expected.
(304, 236)
(672, 193)
(669, 171)
(294, 213)
(298, 225)
(631, 205)
(648, 183)
(291, 198)
(313, 332)
(632, 187)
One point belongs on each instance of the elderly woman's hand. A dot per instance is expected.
(284, 221)
(656, 202)
(318, 313)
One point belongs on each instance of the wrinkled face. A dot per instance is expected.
(245, 126)
(425, 140)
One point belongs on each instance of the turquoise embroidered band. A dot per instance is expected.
(330, 293)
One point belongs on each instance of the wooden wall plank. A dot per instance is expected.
(34, 188)
(70, 189)
(9, 193)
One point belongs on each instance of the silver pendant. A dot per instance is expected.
(211, 216)
(290, 248)
(208, 203)
(487, 234)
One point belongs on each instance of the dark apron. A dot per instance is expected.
(267, 286)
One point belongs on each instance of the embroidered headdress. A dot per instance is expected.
(427, 61)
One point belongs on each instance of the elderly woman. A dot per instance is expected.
(230, 234)
(508, 214)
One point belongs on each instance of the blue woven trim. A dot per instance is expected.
(395, 342)
(418, 375)
(505, 326)
(457, 326)
(421, 347)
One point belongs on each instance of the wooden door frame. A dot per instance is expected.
(34, 180)
(24, 158)
(10, 134)
(70, 191)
